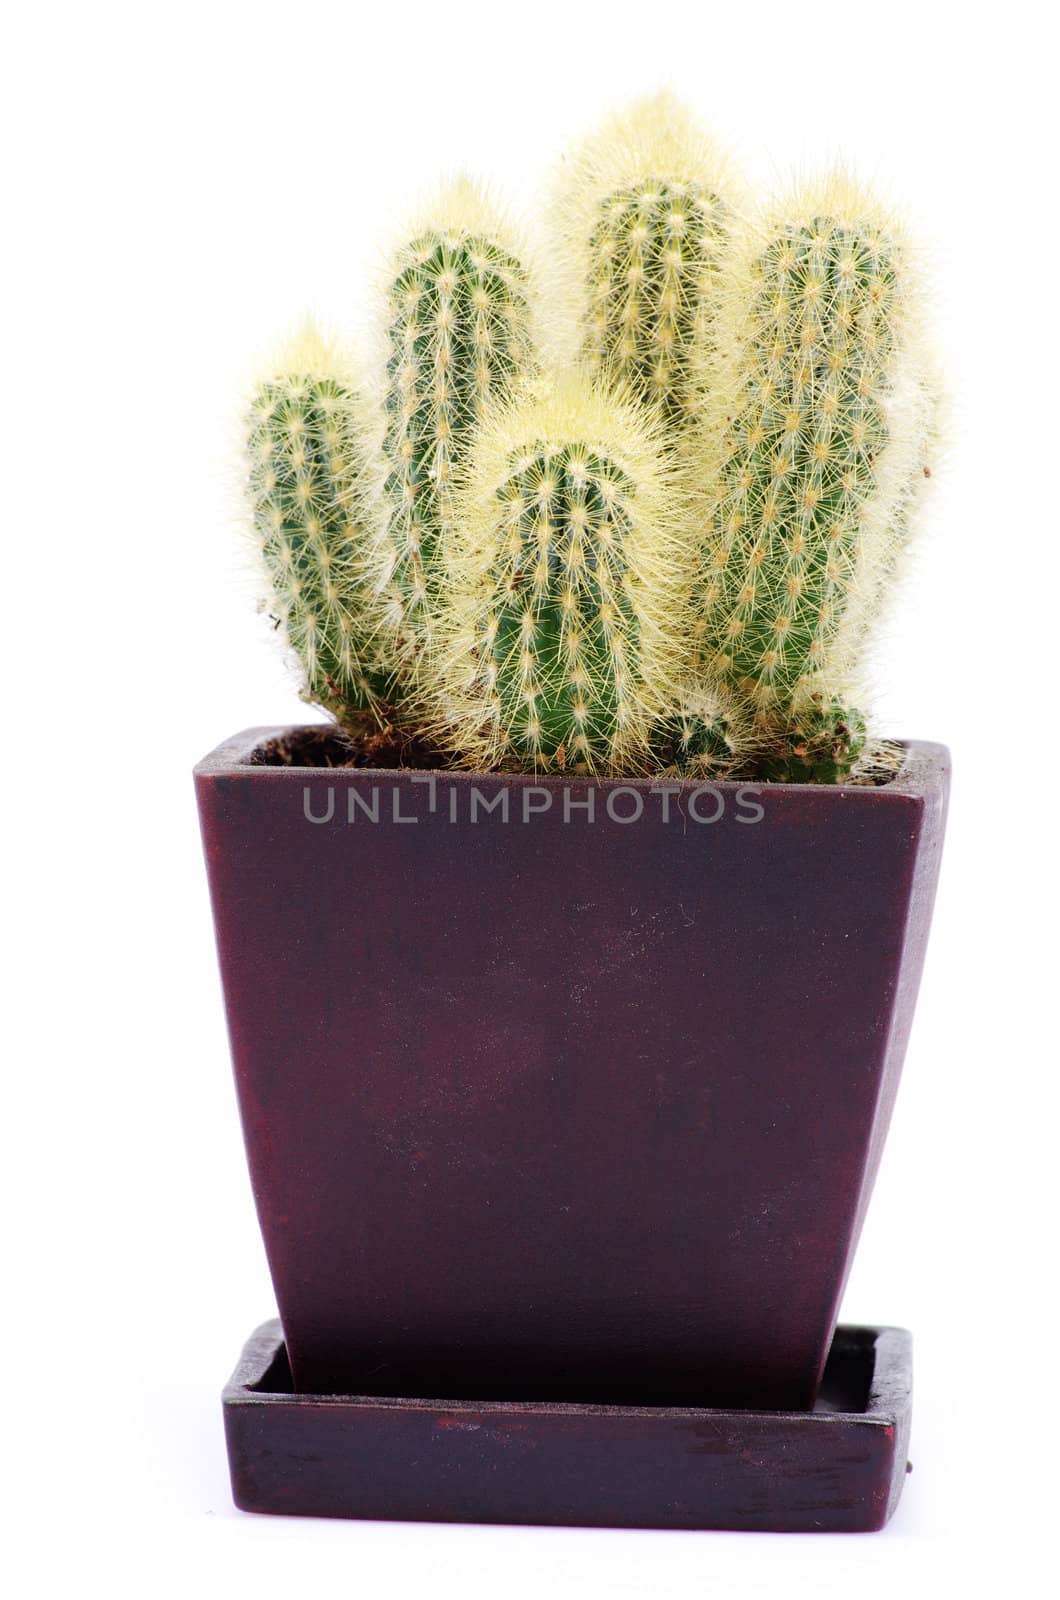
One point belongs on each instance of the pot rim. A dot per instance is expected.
(924, 771)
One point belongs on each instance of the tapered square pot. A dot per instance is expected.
(564, 1090)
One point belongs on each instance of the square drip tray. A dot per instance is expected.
(837, 1468)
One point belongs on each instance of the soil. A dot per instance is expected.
(383, 748)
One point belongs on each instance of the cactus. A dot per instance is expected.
(458, 335)
(816, 421)
(698, 738)
(564, 610)
(309, 489)
(640, 217)
(820, 744)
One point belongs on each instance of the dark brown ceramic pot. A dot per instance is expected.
(564, 1089)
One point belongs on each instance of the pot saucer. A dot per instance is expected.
(837, 1468)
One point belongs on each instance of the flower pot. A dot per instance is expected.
(564, 1090)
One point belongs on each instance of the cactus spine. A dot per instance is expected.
(308, 479)
(817, 420)
(642, 212)
(565, 610)
(458, 338)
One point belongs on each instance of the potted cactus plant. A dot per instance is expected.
(569, 969)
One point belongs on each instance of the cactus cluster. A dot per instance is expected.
(659, 551)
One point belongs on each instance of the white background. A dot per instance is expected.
(183, 181)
